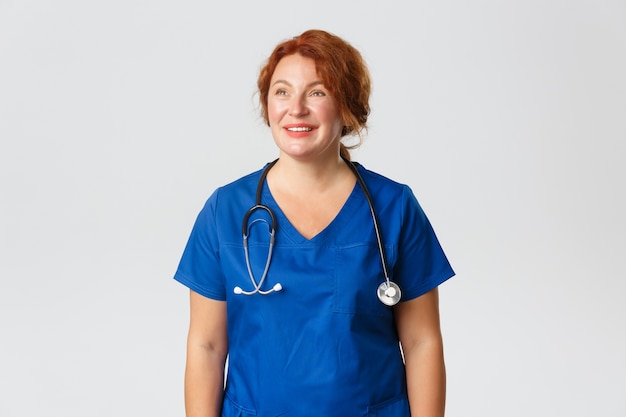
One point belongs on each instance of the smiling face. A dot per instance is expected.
(305, 120)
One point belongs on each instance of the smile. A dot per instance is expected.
(299, 129)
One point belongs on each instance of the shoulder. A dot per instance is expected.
(378, 183)
(238, 188)
(231, 195)
(226, 207)
(249, 180)
(390, 197)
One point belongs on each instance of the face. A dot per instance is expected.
(304, 118)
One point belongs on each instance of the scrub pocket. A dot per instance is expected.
(396, 407)
(358, 273)
(231, 409)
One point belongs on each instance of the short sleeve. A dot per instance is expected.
(199, 267)
(421, 264)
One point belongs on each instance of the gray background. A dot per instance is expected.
(119, 118)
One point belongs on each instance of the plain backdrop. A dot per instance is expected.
(119, 118)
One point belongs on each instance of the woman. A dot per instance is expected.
(295, 308)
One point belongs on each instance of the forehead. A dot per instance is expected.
(294, 67)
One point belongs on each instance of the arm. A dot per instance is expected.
(207, 347)
(418, 326)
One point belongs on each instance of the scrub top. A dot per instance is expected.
(324, 345)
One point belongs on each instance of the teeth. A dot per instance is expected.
(299, 129)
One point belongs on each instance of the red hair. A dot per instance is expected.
(340, 67)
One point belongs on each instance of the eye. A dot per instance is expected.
(281, 92)
(318, 93)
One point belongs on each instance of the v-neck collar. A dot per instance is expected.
(285, 228)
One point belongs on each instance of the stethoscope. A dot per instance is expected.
(388, 291)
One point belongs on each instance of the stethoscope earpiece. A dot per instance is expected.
(257, 289)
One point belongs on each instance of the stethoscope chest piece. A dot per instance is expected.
(389, 293)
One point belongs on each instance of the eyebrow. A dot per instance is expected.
(312, 84)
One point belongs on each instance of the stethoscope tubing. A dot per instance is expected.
(370, 203)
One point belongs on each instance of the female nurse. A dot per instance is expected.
(295, 309)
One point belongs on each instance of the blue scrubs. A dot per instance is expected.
(324, 345)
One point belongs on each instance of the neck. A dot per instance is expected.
(308, 177)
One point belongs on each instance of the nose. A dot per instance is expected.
(297, 106)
